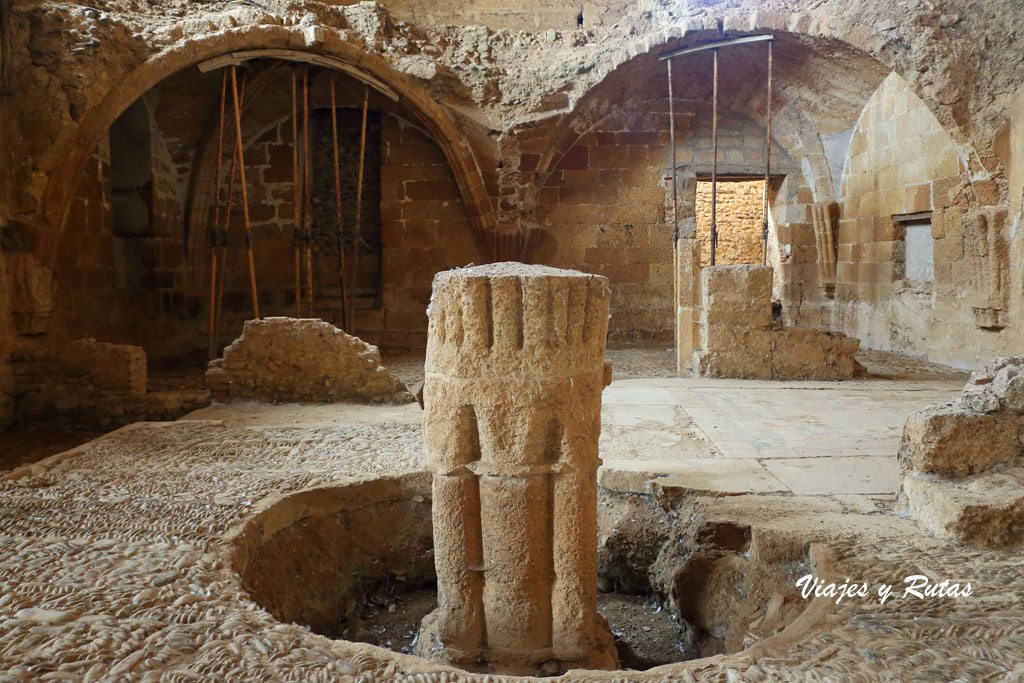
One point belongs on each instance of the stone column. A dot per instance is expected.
(687, 302)
(514, 373)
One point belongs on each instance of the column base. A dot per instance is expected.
(543, 662)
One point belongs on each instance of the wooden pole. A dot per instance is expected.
(308, 191)
(767, 162)
(359, 213)
(227, 225)
(216, 220)
(714, 157)
(297, 230)
(245, 196)
(337, 198)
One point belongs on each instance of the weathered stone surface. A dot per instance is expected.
(983, 511)
(1008, 386)
(804, 353)
(93, 383)
(304, 360)
(739, 340)
(954, 442)
(515, 369)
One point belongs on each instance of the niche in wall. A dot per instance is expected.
(131, 197)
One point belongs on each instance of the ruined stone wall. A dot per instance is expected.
(738, 220)
(901, 161)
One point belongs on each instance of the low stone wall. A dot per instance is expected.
(962, 463)
(738, 338)
(91, 383)
(302, 360)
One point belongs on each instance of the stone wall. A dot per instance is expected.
(423, 229)
(152, 290)
(901, 161)
(603, 207)
(961, 465)
(126, 288)
(738, 337)
(93, 383)
(738, 219)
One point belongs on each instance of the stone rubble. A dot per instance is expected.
(304, 360)
(961, 464)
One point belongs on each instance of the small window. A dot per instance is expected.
(918, 253)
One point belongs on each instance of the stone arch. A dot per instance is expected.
(75, 149)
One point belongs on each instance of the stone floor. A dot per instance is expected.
(804, 438)
(113, 556)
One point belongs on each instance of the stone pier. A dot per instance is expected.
(514, 374)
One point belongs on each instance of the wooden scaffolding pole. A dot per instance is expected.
(767, 162)
(337, 199)
(307, 173)
(714, 156)
(214, 236)
(359, 214)
(297, 211)
(245, 197)
(227, 225)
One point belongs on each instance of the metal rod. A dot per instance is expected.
(359, 210)
(767, 163)
(337, 197)
(714, 157)
(216, 218)
(297, 211)
(715, 45)
(307, 174)
(227, 226)
(675, 203)
(245, 196)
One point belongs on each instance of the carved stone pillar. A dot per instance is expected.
(512, 397)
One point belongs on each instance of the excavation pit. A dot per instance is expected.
(355, 562)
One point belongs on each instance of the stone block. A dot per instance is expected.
(983, 511)
(805, 353)
(1008, 387)
(953, 441)
(736, 365)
